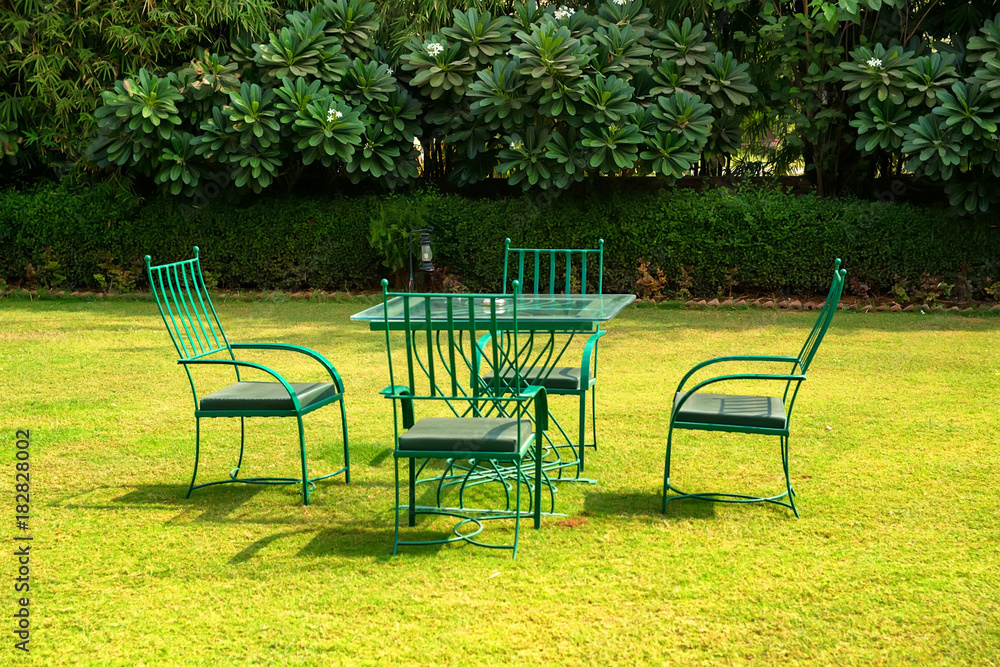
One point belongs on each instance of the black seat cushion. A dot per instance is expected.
(466, 434)
(266, 396)
(758, 411)
(561, 377)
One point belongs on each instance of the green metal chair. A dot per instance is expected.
(488, 432)
(197, 334)
(765, 415)
(552, 271)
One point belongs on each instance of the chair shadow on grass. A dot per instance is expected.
(351, 542)
(344, 541)
(380, 458)
(167, 497)
(374, 537)
(612, 505)
(353, 539)
(645, 504)
(215, 506)
(370, 537)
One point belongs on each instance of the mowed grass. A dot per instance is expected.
(895, 454)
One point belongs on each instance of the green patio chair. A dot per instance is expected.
(486, 435)
(765, 415)
(565, 271)
(197, 334)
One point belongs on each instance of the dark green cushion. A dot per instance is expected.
(759, 411)
(468, 435)
(266, 396)
(561, 377)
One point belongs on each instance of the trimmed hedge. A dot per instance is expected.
(777, 240)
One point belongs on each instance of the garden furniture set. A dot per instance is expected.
(482, 366)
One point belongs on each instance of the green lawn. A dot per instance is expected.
(895, 456)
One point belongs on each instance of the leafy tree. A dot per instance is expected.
(56, 59)
(575, 93)
(546, 95)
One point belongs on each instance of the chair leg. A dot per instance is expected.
(538, 481)
(666, 468)
(788, 479)
(197, 453)
(517, 508)
(235, 472)
(791, 489)
(305, 473)
(347, 452)
(395, 539)
(583, 431)
(412, 516)
(731, 497)
(593, 413)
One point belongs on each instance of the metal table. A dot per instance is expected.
(546, 318)
(535, 312)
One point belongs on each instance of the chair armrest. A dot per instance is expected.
(334, 375)
(537, 394)
(480, 350)
(246, 364)
(746, 357)
(397, 391)
(403, 394)
(728, 378)
(590, 349)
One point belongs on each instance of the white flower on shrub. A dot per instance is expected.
(874, 62)
(515, 145)
(435, 49)
(563, 13)
(621, 2)
(332, 114)
(390, 71)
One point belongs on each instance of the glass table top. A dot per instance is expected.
(531, 308)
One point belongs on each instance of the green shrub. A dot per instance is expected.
(778, 241)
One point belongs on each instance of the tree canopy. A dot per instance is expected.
(541, 94)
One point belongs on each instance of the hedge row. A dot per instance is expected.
(777, 240)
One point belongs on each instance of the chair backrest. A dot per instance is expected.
(549, 270)
(824, 319)
(441, 333)
(186, 308)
